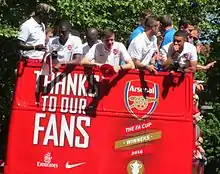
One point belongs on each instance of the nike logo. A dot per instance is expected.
(69, 166)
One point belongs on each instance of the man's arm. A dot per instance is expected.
(23, 37)
(192, 67)
(193, 60)
(168, 53)
(125, 57)
(129, 64)
(139, 65)
(75, 61)
(23, 46)
(86, 62)
(167, 62)
(206, 67)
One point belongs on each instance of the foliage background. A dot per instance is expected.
(121, 16)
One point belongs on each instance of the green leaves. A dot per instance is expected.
(8, 31)
(122, 16)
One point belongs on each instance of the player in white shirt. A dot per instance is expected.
(91, 38)
(65, 48)
(108, 52)
(180, 53)
(31, 37)
(142, 48)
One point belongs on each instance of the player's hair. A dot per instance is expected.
(65, 23)
(48, 30)
(184, 23)
(181, 33)
(107, 33)
(150, 21)
(145, 13)
(43, 8)
(166, 21)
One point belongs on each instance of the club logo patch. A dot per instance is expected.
(69, 47)
(141, 101)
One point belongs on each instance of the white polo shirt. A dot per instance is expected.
(86, 47)
(32, 33)
(113, 57)
(65, 52)
(188, 54)
(141, 48)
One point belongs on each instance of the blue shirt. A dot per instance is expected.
(168, 36)
(137, 31)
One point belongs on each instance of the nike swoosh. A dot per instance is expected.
(69, 166)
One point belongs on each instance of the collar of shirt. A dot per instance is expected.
(107, 50)
(185, 50)
(147, 40)
(141, 28)
(113, 51)
(36, 23)
(169, 30)
(68, 42)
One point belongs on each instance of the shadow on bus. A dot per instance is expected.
(104, 88)
(171, 81)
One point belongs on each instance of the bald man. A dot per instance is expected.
(91, 38)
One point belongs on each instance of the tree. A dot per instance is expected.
(121, 16)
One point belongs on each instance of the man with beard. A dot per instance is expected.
(65, 48)
(143, 49)
(32, 36)
(108, 52)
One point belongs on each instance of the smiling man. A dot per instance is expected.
(108, 52)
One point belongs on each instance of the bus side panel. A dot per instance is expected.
(164, 151)
(65, 128)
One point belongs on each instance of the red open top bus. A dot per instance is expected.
(76, 122)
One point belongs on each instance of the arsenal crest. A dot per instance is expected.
(69, 47)
(115, 51)
(141, 101)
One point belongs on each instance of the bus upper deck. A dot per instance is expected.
(74, 121)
